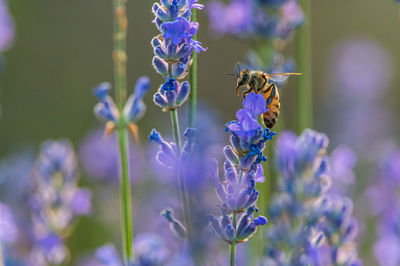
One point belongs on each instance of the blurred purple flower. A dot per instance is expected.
(8, 227)
(234, 18)
(341, 164)
(100, 157)
(325, 229)
(6, 27)
(253, 19)
(57, 201)
(362, 69)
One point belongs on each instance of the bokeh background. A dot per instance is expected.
(63, 49)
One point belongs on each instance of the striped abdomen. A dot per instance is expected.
(271, 96)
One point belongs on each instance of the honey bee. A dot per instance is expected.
(265, 84)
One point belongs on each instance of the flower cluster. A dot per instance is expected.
(8, 232)
(339, 229)
(172, 49)
(242, 169)
(385, 188)
(6, 27)
(255, 19)
(169, 158)
(134, 109)
(57, 201)
(100, 158)
(149, 250)
(324, 230)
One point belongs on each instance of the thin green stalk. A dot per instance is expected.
(233, 245)
(193, 82)
(120, 59)
(304, 60)
(125, 196)
(181, 182)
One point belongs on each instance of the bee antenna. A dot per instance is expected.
(230, 74)
(238, 65)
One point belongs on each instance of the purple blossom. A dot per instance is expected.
(8, 227)
(172, 94)
(133, 110)
(234, 18)
(100, 157)
(178, 30)
(325, 229)
(362, 68)
(253, 19)
(57, 200)
(173, 49)
(236, 192)
(247, 127)
(7, 28)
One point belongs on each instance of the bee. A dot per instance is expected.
(260, 82)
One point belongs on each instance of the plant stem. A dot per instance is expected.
(193, 82)
(120, 59)
(125, 195)
(304, 60)
(233, 245)
(181, 181)
(119, 54)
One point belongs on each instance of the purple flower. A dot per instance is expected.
(150, 249)
(247, 127)
(171, 95)
(81, 202)
(105, 110)
(362, 69)
(234, 18)
(178, 30)
(8, 228)
(100, 157)
(237, 192)
(6, 27)
(57, 200)
(135, 108)
(325, 229)
(173, 49)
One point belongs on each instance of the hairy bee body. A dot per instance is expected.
(261, 83)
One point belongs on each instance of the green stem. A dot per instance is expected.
(304, 60)
(120, 59)
(193, 82)
(233, 245)
(181, 181)
(125, 196)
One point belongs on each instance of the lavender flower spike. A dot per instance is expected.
(242, 168)
(57, 201)
(172, 49)
(324, 230)
(134, 109)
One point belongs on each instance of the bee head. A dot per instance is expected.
(243, 79)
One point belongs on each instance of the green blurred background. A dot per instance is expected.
(63, 49)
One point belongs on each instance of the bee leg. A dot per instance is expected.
(247, 92)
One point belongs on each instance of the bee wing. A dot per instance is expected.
(281, 77)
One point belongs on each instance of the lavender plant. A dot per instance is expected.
(150, 250)
(242, 169)
(309, 226)
(121, 116)
(56, 203)
(175, 49)
(268, 26)
(385, 188)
